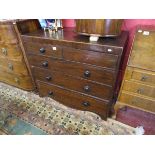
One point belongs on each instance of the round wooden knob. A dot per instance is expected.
(86, 104)
(45, 64)
(48, 78)
(87, 73)
(87, 88)
(50, 93)
(42, 50)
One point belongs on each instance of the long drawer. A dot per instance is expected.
(13, 66)
(77, 84)
(75, 69)
(139, 88)
(80, 43)
(73, 99)
(137, 101)
(44, 49)
(23, 82)
(90, 57)
(10, 51)
(145, 77)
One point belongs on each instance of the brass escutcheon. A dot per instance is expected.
(4, 51)
(10, 66)
(17, 81)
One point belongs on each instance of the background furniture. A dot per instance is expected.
(13, 69)
(138, 87)
(99, 27)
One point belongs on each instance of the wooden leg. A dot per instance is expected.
(118, 106)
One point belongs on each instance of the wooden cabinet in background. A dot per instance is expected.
(138, 87)
(13, 67)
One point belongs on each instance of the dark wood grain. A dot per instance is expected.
(75, 69)
(95, 58)
(73, 83)
(78, 70)
(74, 99)
(99, 27)
(44, 49)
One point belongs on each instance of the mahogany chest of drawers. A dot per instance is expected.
(13, 69)
(72, 70)
(138, 87)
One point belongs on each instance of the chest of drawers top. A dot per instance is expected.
(69, 38)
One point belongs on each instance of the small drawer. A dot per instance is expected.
(145, 77)
(13, 66)
(73, 99)
(139, 88)
(91, 57)
(137, 101)
(44, 49)
(73, 83)
(8, 34)
(88, 72)
(10, 51)
(23, 82)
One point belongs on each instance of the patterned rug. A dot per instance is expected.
(23, 112)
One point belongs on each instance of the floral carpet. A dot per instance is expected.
(23, 112)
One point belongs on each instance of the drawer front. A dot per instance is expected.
(90, 57)
(145, 77)
(73, 99)
(77, 42)
(15, 67)
(137, 101)
(8, 34)
(10, 51)
(75, 69)
(23, 82)
(44, 49)
(77, 84)
(139, 88)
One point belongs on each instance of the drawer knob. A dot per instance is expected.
(87, 88)
(42, 50)
(48, 78)
(86, 104)
(50, 93)
(87, 73)
(4, 51)
(45, 64)
(144, 78)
